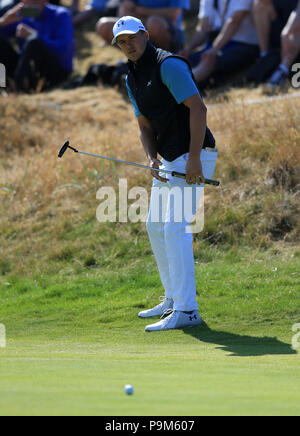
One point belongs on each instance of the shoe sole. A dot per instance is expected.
(178, 328)
(152, 316)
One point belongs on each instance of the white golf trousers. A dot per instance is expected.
(172, 208)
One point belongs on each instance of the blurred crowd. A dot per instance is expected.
(220, 38)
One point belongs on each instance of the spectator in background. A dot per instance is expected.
(46, 45)
(94, 10)
(277, 25)
(236, 46)
(5, 5)
(190, 19)
(208, 28)
(163, 19)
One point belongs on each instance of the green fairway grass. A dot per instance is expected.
(74, 341)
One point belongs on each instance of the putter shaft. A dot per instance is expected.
(130, 163)
(173, 173)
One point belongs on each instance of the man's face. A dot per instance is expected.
(133, 46)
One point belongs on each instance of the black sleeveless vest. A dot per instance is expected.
(170, 120)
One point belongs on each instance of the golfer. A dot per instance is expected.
(172, 121)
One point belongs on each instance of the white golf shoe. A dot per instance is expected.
(176, 320)
(165, 305)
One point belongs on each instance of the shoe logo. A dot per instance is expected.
(149, 83)
(193, 317)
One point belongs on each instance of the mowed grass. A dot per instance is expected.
(73, 342)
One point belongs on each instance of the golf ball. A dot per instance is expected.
(129, 389)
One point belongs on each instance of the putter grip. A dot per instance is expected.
(207, 181)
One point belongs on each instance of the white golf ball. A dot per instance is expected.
(129, 390)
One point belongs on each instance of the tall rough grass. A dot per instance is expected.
(48, 206)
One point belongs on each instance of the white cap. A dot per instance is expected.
(127, 26)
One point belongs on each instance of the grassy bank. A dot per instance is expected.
(48, 206)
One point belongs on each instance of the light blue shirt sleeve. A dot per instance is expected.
(177, 76)
(133, 101)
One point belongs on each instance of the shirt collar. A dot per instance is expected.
(147, 57)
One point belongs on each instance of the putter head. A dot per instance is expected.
(63, 149)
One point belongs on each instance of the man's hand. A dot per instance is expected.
(12, 16)
(24, 31)
(155, 163)
(194, 172)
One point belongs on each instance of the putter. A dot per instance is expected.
(173, 173)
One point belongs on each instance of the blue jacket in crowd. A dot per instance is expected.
(55, 28)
